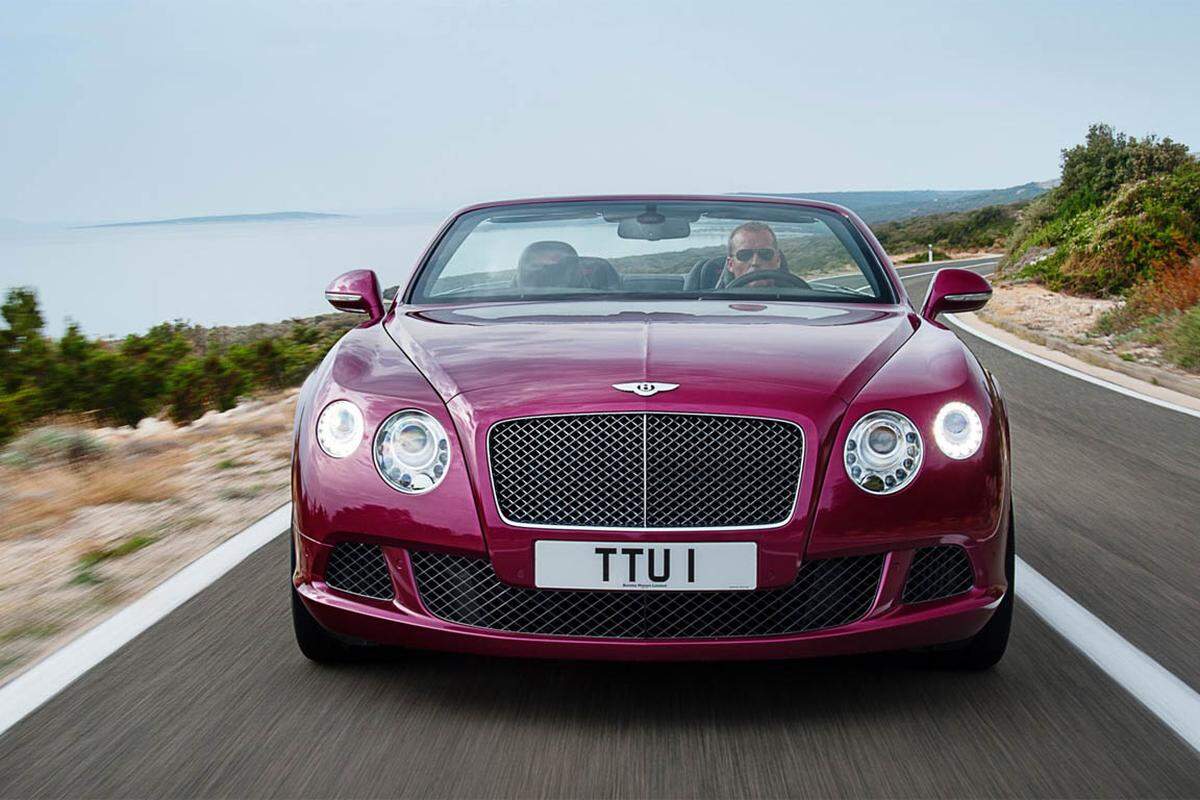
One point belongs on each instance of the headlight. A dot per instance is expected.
(957, 430)
(412, 451)
(340, 428)
(883, 452)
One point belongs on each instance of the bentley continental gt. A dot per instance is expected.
(653, 427)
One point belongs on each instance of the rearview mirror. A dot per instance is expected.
(357, 292)
(954, 291)
(653, 230)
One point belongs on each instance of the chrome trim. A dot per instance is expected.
(644, 413)
(645, 388)
(375, 451)
(969, 297)
(917, 464)
(345, 297)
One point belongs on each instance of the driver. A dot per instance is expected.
(752, 248)
(548, 263)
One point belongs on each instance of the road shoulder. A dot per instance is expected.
(1123, 377)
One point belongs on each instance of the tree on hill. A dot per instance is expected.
(1094, 171)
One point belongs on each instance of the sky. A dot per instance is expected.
(121, 110)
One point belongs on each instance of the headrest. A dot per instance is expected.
(597, 273)
(704, 274)
(532, 271)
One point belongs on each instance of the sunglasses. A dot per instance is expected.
(764, 253)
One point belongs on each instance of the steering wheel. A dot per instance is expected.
(777, 275)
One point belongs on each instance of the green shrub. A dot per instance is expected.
(1127, 211)
(173, 366)
(119, 390)
(964, 230)
(187, 390)
(1094, 171)
(225, 381)
(1183, 346)
(9, 420)
(921, 258)
(304, 333)
(53, 445)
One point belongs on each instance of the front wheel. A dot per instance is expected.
(316, 643)
(985, 649)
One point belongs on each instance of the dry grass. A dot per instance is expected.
(263, 422)
(81, 536)
(1171, 290)
(35, 500)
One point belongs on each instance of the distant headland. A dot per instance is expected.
(276, 216)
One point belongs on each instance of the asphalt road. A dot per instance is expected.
(216, 701)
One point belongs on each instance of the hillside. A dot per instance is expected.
(1124, 222)
(877, 207)
(986, 228)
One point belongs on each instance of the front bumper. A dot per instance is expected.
(889, 624)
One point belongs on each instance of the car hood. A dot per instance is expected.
(542, 349)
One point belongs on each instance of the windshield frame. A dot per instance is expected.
(875, 269)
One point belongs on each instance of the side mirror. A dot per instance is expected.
(356, 291)
(954, 291)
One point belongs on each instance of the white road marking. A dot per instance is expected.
(1074, 373)
(986, 262)
(1163, 694)
(930, 272)
(1175, 703)
(1045, 362)
(971, 267)
(29, 690)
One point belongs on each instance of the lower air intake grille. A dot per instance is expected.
(938, 572)
(359, 569)
(827, 593)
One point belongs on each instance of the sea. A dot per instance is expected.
(113, 281)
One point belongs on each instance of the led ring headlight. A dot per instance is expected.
(412, 451)
(883, 452)
(339, 428)
(957, 430)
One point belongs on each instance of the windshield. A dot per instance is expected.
(691, 249)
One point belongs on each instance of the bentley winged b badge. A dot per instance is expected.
(645, 388)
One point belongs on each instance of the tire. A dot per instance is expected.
(316, 643)
(985, 649)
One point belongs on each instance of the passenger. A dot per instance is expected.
(752, 248)
(548, 263)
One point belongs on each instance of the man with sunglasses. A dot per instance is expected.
(752, 248)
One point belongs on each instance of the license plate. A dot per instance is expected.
(641, 565)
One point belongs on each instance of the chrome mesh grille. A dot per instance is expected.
(645, 470)
(826, 593)
(938, 572)
(360, 569)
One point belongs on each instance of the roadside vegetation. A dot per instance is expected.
(95, 516)
(1124, 222)
(982, 229)
(174, 369)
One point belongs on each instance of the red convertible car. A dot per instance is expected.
(653, 427)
